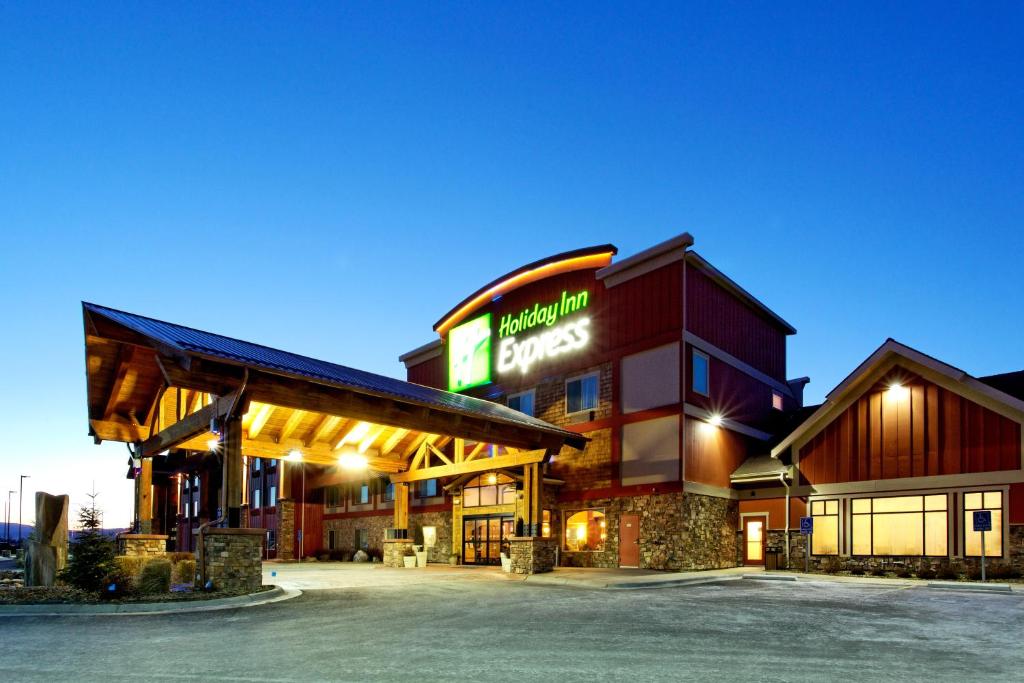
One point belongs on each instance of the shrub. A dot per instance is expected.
(926, 574)
(339, 555)
(185, 571)
(1002, 571)
(175, 558)
(832, 565)
(857, 571)
(878, 571)
(974, 573)
(376, 554)
(946, 572)
(155, 577)
(131, 565)
(904, 573)
(117, 583)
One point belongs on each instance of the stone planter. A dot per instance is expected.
(421, 558)
(409, 561)
(506, 563)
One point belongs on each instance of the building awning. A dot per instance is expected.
(759, 469)
(163, 385)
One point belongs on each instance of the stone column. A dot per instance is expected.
(532, 554)
(286, 529)
(232, 559)
(394, 551)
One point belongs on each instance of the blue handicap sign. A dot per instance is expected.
(983, 520)
(807, 525)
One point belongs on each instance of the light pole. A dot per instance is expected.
(296, 457)
(21, 485)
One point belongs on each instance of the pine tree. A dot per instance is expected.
(92, 554)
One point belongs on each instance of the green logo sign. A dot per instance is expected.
(469, 354)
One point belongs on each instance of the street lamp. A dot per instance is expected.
(21, 485)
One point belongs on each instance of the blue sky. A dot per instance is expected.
(331, 179)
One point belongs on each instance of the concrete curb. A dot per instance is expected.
(275, 594)
(973, 587)
(769, 577)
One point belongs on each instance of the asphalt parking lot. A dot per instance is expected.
(457, 629)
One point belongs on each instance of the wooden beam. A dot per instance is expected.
(438, 453)
(259, 421)
(477, 449)
(459, 450)
(393, 440)
(290, 425)
(325, 425)
(368, 440)
(415, 445)
(188, 427)
(122, 365)
(119, 430)
(347, 432)
(484, 465)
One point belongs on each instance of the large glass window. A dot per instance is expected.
(900, 525)
(699, 371)
(523, 402)
(825, 539)
(983, 500)
(361, 495)
(489, 489)
(581, 393)
(585, 531)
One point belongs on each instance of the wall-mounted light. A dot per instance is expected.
(212, 444)
(294, 455)
(492, 478)
(898, 391)
(715, 420)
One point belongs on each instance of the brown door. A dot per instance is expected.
(753, 539)
(629, 541)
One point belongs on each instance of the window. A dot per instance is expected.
(332, 497)
(389, 493)
(777, 403)
(585, 531)
(825, 539)
(489, 489)
(256, 465)
(699, 381)
(273, 496)
(545, 527)
(901, 525)
(581, 393)
(983, 500)
(362, 494)
(331, 540)
(195, 508)
(362, 539)
(426, 489)
(256, 498)
(523, 402)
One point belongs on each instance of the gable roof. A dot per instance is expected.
(1011, 383)
(190, 341)
(890, 353)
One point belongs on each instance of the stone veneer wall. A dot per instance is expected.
(233, 559)
(394, 552)
(286, 529)
(345, 531)
(678, 531)
(532, 555)
(142, 545)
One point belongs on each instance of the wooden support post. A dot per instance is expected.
(401, 506)
(232, 477)
(144, 488)
(536, 502)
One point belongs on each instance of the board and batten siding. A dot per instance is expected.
(931, 432)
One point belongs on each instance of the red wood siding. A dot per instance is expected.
(933, 431)
(711, 453)
(733, 394)
(430, 373)
(645, 307)
(718, 317)
(1016, 504)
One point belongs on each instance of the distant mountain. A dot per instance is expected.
(26, 530)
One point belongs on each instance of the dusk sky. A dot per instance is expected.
(331, 180)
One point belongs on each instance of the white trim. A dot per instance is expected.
(1004, 517)
(767, 517)
(729, 359)
(709, 490)
(942, 481)
(422, 354)
(707, 375)
(648, 260)
(581, 376)
(700, 413)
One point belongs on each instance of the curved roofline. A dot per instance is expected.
(578, 259)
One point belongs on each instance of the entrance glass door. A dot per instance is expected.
(485, 538)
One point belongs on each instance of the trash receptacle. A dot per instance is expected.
(771, 560)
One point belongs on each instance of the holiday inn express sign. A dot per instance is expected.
(534, 334)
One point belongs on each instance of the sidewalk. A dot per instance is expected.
(275, 594)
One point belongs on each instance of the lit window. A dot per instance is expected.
(699, 381)
(273, 496)
(825, 539)
(256, 464)
(545, 528)
(900, 525)
(364, 494)
(986, 500)
(585, 531)
(581, 394)
(256, 498)
(489, 489)
(777, 403)
(523, 402)
(195, 508)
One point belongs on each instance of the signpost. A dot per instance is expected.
(807, 529)
(982, 523)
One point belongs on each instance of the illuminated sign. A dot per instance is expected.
(469, 354)
(553, 341)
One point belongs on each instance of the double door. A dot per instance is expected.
(485, 538)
